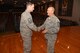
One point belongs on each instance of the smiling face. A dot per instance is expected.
(50, 11)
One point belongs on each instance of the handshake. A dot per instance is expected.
(43, 30)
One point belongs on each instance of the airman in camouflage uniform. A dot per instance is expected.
(51, 27)
(26, 27)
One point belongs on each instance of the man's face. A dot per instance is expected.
(49, 11)
(31, 8)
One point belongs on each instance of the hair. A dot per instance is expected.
(29, 3)
(52, 7)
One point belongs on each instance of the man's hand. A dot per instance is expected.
(40, 29)
(44, 31)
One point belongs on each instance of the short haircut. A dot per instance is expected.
(52, 7)
(29, 3)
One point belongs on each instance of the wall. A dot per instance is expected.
(75, 11)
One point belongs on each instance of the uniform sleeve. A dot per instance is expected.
(31, 25)
(29, 22)
(54, 28)
(41, 27)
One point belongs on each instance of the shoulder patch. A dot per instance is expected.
(29, 20)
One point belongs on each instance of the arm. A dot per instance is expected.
(31, 25)
(41, 27)
(54, 28)
(29, 22)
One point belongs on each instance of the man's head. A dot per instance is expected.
(30, 6)
(50, 11)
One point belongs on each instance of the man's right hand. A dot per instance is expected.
(40, 29)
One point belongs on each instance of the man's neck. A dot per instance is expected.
(52, 15)
(27, 10)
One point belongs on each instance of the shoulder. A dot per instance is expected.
(24, 13)
(55, 18)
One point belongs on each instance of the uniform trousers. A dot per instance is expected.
(27, 43)
(50, 41)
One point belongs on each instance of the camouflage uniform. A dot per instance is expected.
(52, 24)
(26, 27)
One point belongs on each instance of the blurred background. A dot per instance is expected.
(68, 12)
